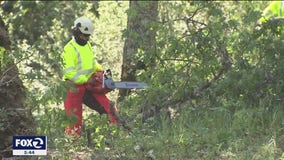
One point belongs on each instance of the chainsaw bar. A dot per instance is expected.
(109, 83)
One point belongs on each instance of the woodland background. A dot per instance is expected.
(216, 79)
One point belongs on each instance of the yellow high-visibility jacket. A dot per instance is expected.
(274, 10)
(78, 62)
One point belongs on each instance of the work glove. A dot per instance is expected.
(91, 81)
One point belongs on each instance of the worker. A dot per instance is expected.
(80, 69)
(274, 10)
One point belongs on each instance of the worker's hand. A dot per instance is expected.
(91, 81)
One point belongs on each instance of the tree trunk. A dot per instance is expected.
(140, 41)
(15, 120)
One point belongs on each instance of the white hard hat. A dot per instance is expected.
(84, 25)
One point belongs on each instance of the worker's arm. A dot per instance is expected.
(69, 63)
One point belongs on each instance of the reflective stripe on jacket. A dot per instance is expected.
(78, 62)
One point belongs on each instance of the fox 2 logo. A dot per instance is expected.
(29, 142)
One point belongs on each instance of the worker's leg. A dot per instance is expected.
(73, 107)
(102, 104)
(105, 103)
(92, 103)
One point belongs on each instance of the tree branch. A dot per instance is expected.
(225, 66)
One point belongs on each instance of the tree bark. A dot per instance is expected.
(15, 119)
(140, 41)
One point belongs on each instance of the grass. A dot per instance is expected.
(216, 133)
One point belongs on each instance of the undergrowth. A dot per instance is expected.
(193, 134)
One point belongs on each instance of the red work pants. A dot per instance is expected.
(104, 103)
(73, 107)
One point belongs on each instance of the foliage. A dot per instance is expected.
(216, 90)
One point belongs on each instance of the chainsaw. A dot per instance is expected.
(104, 83)
(110, 84)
